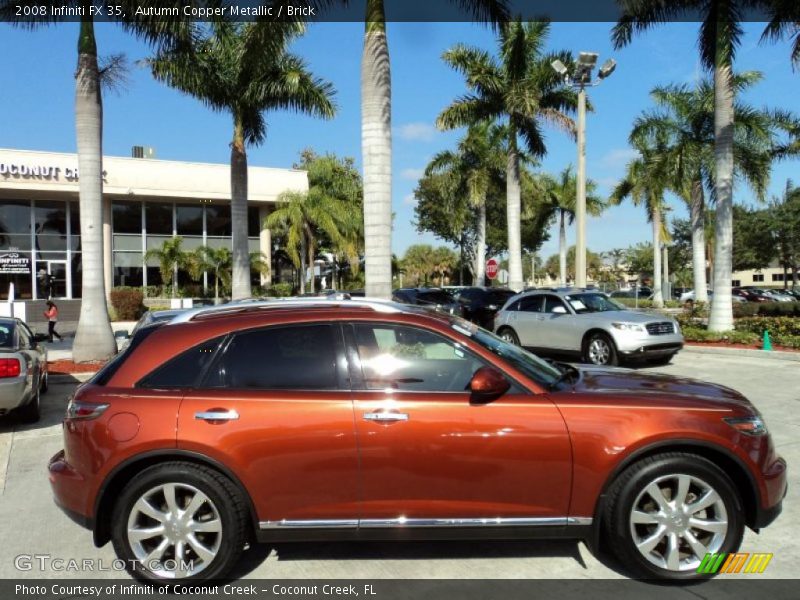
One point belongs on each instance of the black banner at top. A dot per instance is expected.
(28, 11)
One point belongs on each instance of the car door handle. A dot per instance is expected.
(217, 415)
(386, 416)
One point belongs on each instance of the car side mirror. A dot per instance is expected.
(559, 310)
(488, 383)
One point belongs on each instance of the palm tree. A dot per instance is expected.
(94, 339)
(217, 261)
(684, 122)
(719, 38)
(245, 70)
(302, 216)
(376, 137)
(784, 22)
(171, 257)
(561, 194)
(477, 162)
(644, 183)
(521, 88)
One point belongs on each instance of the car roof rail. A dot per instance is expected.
(376, 304)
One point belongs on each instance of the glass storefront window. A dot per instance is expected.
(51, 243)
(218, 242)
(253, 224)
(189, 220)
(158, 218)
(15, 216)
(124, 241)
(156, 241)
(127, 217)
(218, 220)
(74, 219)
(15, 241)
(21, 279)
(50, 218)
(128, 269)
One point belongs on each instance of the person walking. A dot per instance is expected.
(51, 314)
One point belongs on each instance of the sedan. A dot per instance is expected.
(586, 325)
(434, 298)
(480, 304)
(23, 369)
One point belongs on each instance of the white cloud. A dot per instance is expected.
(417, 132)
(412, 174)
(618, 157)
(409, 200)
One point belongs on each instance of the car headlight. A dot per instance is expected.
(748, 425)
(628, 327)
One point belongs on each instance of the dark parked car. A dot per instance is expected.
(434, 298)
(751, 295)
(316, 419)
(480, 304)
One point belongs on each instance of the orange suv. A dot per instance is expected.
(361, 419)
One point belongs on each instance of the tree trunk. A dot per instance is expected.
(513, 209)
(480, 246)
(376, 149)
(311, 264)
(697, 210)
(302, 264)
(216, 285)
(666, 288)
(721, 315)
(94, 339)
(562, 249)
(240, 284)
(658, 297)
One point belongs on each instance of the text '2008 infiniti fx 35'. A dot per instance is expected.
(362, 419)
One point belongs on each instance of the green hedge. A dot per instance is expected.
(777, 326)
(631, 303)
(767, 309)
(700, 334)
(783, 331)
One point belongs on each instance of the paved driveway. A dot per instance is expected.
(31, 524)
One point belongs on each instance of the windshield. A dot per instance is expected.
(436, 297)
(499, 297)
(530, 364)
(591, 303)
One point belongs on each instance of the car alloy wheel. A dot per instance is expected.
(599, 351)
(174, 530)
(509, 337)
(676, 520)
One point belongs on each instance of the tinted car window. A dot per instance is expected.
(498, 297)
(531, 304)
(6, 335)
(408, 358)
(184, 370)
(434, 297)
(551, 302)
(299, 357)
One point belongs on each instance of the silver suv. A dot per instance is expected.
(587, 324)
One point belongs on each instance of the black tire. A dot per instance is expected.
(608, 358)
(631, 486)
(509, 335)
(31, 412)
(225, 498)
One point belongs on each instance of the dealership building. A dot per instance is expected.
(146, 201)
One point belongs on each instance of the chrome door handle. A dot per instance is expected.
(386, 416)
(217, 415)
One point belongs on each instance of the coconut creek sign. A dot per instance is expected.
(38, 171)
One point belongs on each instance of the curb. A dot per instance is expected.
(744, 352)
(69, 378)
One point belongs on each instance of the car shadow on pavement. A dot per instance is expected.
(257, 554)
(52, 407)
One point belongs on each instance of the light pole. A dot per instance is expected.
(580, 80)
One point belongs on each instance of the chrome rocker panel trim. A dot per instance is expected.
(402, 522)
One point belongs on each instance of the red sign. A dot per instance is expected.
(491, 268)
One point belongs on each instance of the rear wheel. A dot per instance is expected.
(600, 350)
(179, 521)
(45, 382)
(666, 512)
(508, 335)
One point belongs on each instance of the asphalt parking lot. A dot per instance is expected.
(30, 524)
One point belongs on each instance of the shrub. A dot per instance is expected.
(127, 303)
(777, 326)
(276, 290)
(700, 334)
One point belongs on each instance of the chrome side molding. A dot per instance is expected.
(401, 522)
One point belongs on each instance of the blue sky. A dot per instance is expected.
(36, 105)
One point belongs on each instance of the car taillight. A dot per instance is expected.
(10, 367)
(85, 410)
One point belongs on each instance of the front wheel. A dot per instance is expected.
(32, 411)
(179, 521)
(666, 512)
(600, 350)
